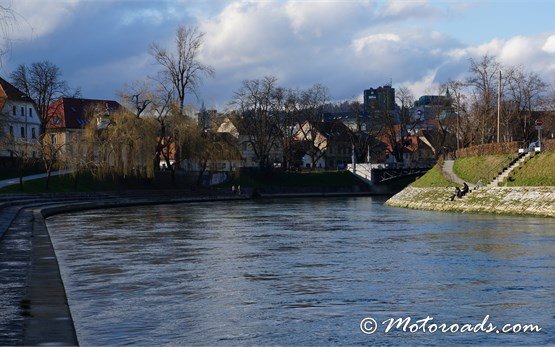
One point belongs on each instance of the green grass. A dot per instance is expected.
(13, 173)
(485, 167)
(433, 178)
(296, 179)
(63, 183)
(537, 171)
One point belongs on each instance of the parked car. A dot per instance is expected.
(532, 147)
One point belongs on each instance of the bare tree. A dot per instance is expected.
(309, 115)
(21, 150)
(483, 81)
(137, 96)
(43, 83)
(182, 68)
(7, 21)
(525, 93)
(257, 108)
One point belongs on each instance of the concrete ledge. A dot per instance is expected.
(532, 201)
(48, 319)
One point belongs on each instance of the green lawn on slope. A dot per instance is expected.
(433, 178)
(485, 167)
(537, 171)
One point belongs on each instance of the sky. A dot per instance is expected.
(348, 46)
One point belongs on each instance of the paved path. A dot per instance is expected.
(447, 170)
(12, 181)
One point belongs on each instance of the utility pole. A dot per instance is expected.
(498, 105)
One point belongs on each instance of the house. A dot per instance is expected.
(327, 144)
(18, 118)
(68, 117)
(408, 151)
(243, 142)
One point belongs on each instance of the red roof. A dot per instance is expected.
(75, 113)
(12, 92)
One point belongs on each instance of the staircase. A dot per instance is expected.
(363, 171)
(509, 168)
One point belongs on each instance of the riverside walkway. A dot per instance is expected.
(15, 180)
(32, 295)
(447, 171)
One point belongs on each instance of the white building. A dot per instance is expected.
(18, 117)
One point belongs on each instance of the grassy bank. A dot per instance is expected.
(485, 167)
(296, 179)
(433, 178)
(88, 183)
(538, 171)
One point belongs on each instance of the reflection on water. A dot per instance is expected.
(300, 272)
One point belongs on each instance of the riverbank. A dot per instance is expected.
(533, 201)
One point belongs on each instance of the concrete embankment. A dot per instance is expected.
(535, 201)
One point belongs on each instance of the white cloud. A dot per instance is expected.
(549, 45)
(36, 19)
(324, 18)
(371, 40)
(408, 9)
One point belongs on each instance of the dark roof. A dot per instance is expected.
(333, 129)
(12, 92)
(74, 113)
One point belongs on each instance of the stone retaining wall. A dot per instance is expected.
(537, 201)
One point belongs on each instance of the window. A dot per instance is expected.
(22, 131)
(22, 111)
(33, 133)
(53, 138)
(34, 154)
(14, 112)
(30, 112)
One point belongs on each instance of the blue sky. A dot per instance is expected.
(348, 46)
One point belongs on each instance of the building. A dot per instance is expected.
(18, 118)
(432, 107)
(68, 117)
(328, 145)
(379, 99)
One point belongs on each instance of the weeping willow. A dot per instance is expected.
(121, 145)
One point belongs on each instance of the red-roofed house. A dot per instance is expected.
(68, 117)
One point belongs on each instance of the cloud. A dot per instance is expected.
(33, 22)
(549, 45)
(371, 41)
(325, 18)
(408, 9)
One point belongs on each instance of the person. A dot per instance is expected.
(457, 193)
(465, 189)
(239, 190)
(233, 189)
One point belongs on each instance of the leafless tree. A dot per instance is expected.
(483, 77)
(43, 83)
(525, 92)
(255, 104)
(7, 22)
(137, 96)
(182, 68)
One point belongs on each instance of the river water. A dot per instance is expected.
(302, 272)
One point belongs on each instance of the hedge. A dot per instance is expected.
(489, 148)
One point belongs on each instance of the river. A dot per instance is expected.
(302, 272)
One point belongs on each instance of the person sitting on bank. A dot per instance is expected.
(457, 193)
(465, 189)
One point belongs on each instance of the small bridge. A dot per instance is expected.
(383, 173)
